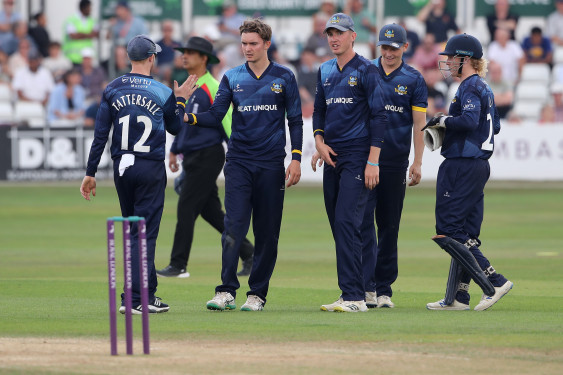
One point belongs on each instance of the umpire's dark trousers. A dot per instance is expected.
(141, 193)
(380, 255)
(257, 191)
(199, 195)
(346, 197)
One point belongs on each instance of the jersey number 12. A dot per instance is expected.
(139, 146)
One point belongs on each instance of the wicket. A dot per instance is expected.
(128, 281)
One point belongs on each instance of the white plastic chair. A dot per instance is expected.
(558, 55)
(31, 112)
(6, 113)
(533, 92)
(5, 93)
(527, 110)
(535, 72)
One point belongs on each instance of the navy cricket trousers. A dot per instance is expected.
(257, 191)
(141, 193)
(345, 197)
(460, 205)
(380, 255)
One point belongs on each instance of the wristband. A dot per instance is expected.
(373, 164)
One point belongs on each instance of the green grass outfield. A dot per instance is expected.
(53, 274)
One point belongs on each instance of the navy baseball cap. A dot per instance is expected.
(340, 21)
(392, 35)
(141, 47)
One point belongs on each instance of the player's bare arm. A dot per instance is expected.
(415, 171)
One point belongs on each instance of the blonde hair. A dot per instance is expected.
(480, 66)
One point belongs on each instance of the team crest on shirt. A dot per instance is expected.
(277, 88)
(353, 81)
(401, 90)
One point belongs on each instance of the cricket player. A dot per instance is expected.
(467, 145)
(140, 110)
(262, 92)
(349, 121)
(406, 98)
(203, 160)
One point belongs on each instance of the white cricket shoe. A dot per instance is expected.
(385, 301)
(371, 300)
(332, 305)
(440, 305)
(222, 301)
(253, 303)
(351, 306)
(487, 301)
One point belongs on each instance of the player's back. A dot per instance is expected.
(139, 108)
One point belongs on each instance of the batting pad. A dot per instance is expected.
(463, 256)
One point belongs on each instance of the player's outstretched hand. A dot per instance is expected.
(314, 159)
(438, 121)
(293, 173)
(187, 88)
(88, 185)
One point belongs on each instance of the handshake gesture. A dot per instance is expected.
(438, 121)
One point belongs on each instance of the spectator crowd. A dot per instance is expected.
(64, 79)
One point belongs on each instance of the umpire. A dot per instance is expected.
(203, 160)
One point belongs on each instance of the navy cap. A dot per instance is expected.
(392, 35)
(340, 21)
(142, 47)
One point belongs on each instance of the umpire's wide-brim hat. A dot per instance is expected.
(202, 45)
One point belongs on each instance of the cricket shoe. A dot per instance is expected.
(371, 300)
(246, 267)
(332, 305)
(440, 305)
(222, 301)
(253, 303)
(171, 271)
(352, 306)
(157, 306)
(486, 301)
(384, 301)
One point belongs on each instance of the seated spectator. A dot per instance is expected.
(427, 55)
(165, 60)
(502, 18)
(318, 41)
(34, 82)
(413, 42)
(438, 20)
(229, 22)
(20, 58)
(57, 63)
(554, 29)
(20, 32)
(547, 114)
(364, 24)
(93, 78)
(38, 32)
(67, 100)
(537, 48)
(307, 103)
(126, 25)
(504, 94)
(327, 9)
(436, 92)
(122, 64)
(307, 71)
(513, 118)
(508, 54)
(91, 113)
(8, 18)
(4, 68)
(557, 94)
